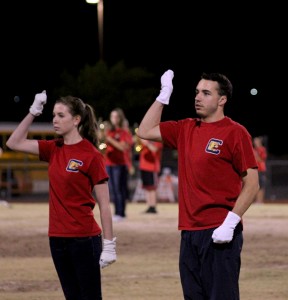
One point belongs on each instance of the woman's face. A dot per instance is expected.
(114, 118)
(63, 121)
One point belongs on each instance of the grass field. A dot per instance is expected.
(147, 250)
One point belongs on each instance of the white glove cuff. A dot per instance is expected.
(108, 243)
(34, 111)
(232, 219)
(165, 95)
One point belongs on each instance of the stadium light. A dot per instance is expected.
(100, 16)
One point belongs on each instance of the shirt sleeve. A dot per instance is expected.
(244, 157)
(169, 133)
(45, 149)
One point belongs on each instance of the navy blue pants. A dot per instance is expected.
(118, 176)
(210, 271)
(77, 264)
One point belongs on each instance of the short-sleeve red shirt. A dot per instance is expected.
(73, 171)
(211, 159)
(149, 160)
(114, 156)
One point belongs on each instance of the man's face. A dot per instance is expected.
(207, 99)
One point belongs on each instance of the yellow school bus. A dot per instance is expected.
(22, 173)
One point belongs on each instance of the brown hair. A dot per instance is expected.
(87, 127)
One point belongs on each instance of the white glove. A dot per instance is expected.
(166, 87)
(224, 233)
(108, 255)
(37, 107)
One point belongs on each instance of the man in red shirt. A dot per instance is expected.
(218, 180)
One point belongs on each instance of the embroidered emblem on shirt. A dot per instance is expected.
(213, 146)
(73, 165)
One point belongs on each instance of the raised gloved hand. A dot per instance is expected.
(108, 255)
(37, 107)
(166, 87)
(224, 233)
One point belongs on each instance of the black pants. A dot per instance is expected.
(210, 271)
(77, 264)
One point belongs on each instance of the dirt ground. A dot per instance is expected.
(147, 252)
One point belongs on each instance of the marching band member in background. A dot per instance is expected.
(117, 140)
(260, 152)
(150, 167)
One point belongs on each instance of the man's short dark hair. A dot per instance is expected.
(225, 85)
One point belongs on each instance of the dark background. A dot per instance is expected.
(245, 41)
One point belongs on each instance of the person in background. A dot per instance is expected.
(79, 246)
(260, 152)
(150, 167)
(129, 150)
(129, 157)
(218, 181)
(116, 138)
(3, 188)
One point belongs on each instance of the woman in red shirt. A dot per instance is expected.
(76, 169)
(116, 162)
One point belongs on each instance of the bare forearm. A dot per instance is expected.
(106, 221)
(118, 145)
(248, 193)
(149, 126)
(20, 134)
(102, 196)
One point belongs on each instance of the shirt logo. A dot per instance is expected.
(73, 165)
(213, 146)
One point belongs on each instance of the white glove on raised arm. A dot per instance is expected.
(166, 87)
(108, 255)
(224, 233)
(37, 107)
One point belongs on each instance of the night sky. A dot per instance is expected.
(244, 41)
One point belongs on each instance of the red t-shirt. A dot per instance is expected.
(73, 171)
(129, 151)
(261, 157)
(114, 156)
(149, 160)
(211, 159)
